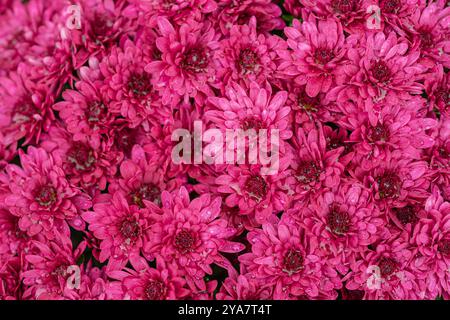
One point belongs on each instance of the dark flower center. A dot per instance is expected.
(387, 266)
(96, 112)
(126, 139)
(101, 24)
(389, 185)
(308, 171)
(24, 110)
(46, 196)
(338, 221)
(195, 60)
(148, 192)
(426, 39)
(256, 187)
(443, 96)
(335, 142)
(380, 71)
(130, 228)
(406, 215)
(323, 56)
(184, 241)
(60, 271)
(248, 62)
(307, 103)
(292, 261)
(390, 6)
(344, 6)
(444, 247)
(252, 123)
(378, 133)
(81, 157)
(155, 290)
(139, 85)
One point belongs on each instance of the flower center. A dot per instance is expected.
(307, 103)
(338, 221)
(389, 185)
(139, 85)
(390, 6)
(126, 139)
(323, 56)
(96, 111)
(148, 192)
(406, 215)
(387, 266)
(256, 187)
(248, 62)
(380, 71)
(129, 228)
(292, 261)
(155, 290)
(426, 39)
(101, 24)
(443, 96)
(60, 271)
(378, 133)
(252, 123)
(81, 156)
(24, 110)
(184, 241)
(344, 6)
(308, 171)
(444, 247)
(195, 60)
(46, 196)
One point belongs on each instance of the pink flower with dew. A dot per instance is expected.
(313, 166)
(380, 68)
(26, 109)
(432, 237)
(85, 113)
(146, 283)
(283, 258)
(385, 273)
(190, 234)
(48, 269)
(127, 88)
(429, 28)
(141, 181)
(84, 166)
(247, 55)
(120, 227)
(244, 287)
(239, 12)
(396, 181)
(41, 196)
(317, 54)
(398, 128)
(185, 69)
(345, 222)
(258, 196)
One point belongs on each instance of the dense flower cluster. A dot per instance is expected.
(92, 205)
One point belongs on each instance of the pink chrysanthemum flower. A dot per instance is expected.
(432, 237)
(49, 269)
(85, 166)
(244, 287)
(85, 113)
(381, 68)
(190, 234)
(385, 273)
(25, 110)
(398, 128)
(141, 181)
(396, 181)
(247, 56)
(145, 283)
(313, 166)
(239, 12)
(283, 258)
(317, 54)
(258, 196)
(127, 88)
(430, 28)
(185, 69)
(121, 228)
(40, 195)
(344, 222)
(437, 87)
